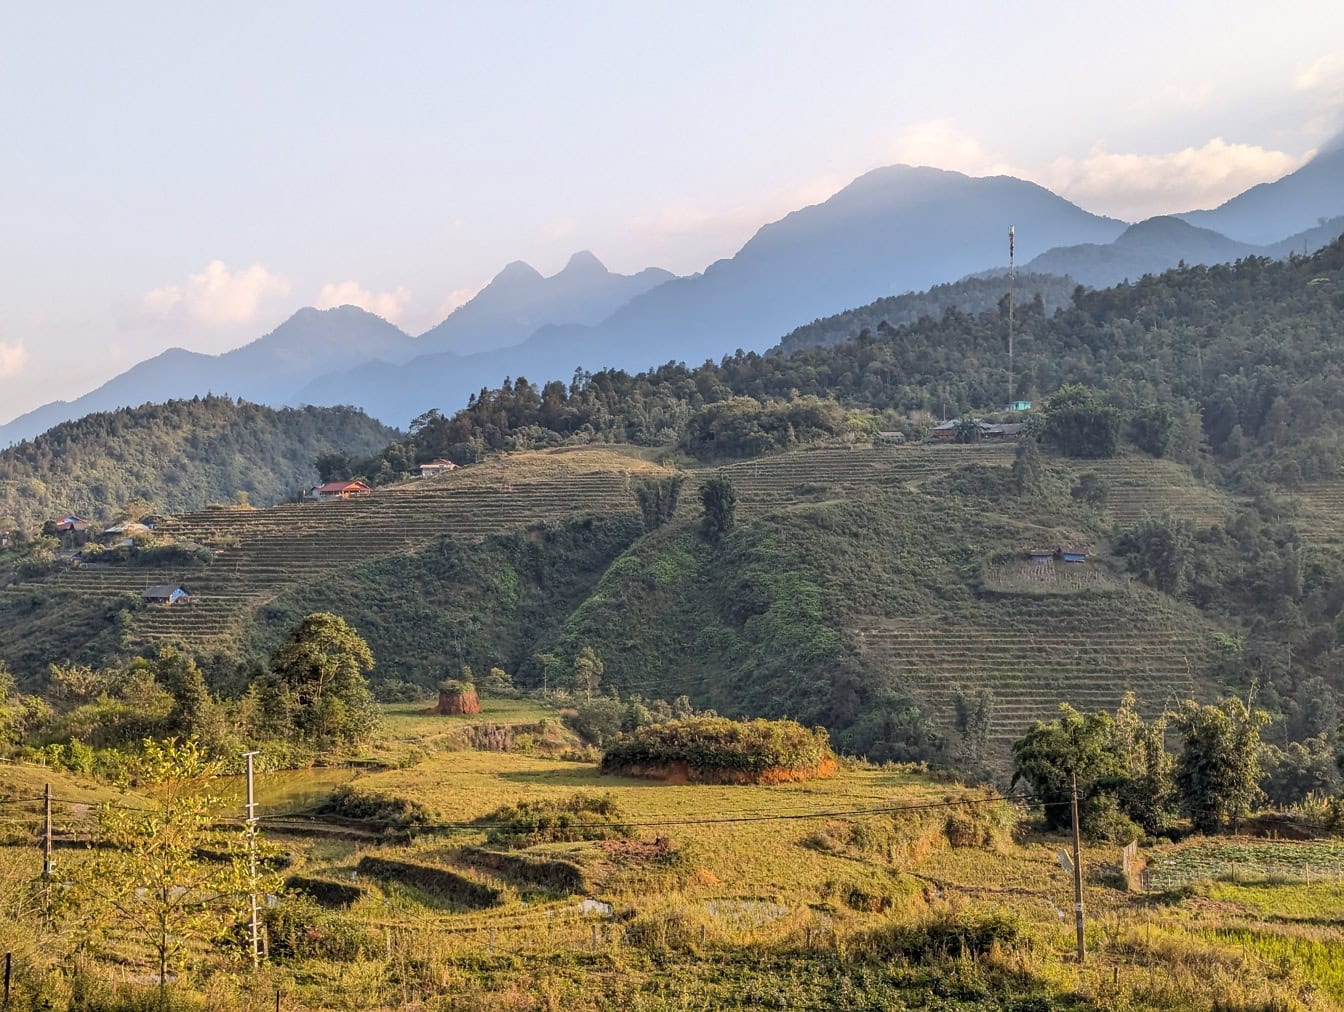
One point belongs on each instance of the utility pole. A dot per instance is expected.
(1078, 876)
(46, 836)
(1012, 285)
(46, 853)
(251, 809)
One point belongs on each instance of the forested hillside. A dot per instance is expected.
(176, 456)
(970, 295)
(1242, 360)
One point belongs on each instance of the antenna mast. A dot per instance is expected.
(1012, 282)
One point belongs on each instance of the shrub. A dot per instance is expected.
(580, 817)
(946, 934)
(387, 811)
(716, 748)
(298, 928)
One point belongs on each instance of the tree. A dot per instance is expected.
(150, 881)
(1027, 467)
(719, 497)
(1218, 772)
(1050, 754)
(588, 669)
(322, 664)
(1148, 793)
(1151, 428)
(1079, 424)
(1158, 552)
(657, 498)
(967, 430)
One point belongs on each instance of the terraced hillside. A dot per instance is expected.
(1035, 652)
(1138, 484)
(1321, 512)
(261, 553)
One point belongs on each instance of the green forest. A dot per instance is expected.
(180, 455)
(1234, 367)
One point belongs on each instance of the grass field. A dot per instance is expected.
(776, 899)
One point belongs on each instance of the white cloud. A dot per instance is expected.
(1136, 186)
(1326, 73)
(13, 359)
(217, 296)
(1126, 185)
(388, 305)
(941, 144)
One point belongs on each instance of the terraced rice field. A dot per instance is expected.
(1321, 512)
(260, 553)
(1139, 485)
(1037, 652)
(1142, 485)
(767, 481)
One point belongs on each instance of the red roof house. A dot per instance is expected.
(341, 490)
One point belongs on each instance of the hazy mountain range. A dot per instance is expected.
(894, 230)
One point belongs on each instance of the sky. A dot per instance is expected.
(190, 174)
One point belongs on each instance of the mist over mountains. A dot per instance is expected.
(891, 231)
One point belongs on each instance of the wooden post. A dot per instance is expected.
(9, 959)
(1078, 876)
(277, 1000)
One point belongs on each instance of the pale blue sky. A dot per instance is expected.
(190, 174)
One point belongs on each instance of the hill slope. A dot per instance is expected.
(1298, 201)
(970, 295)
(180, 455)
(265, 371)
(1160, 244)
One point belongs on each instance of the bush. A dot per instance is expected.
(298, 928)
(946, 935)
(580, 817)
(387, 811)
(719, 748)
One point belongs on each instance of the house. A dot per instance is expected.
(1040, 556)
(340, 490)
(890, 438)
(1072, 555)
(7, 539)
(436, 467)
(70, 522)
(166, 594)
(1020, 406)
(126, 530)
(948, 429)
(1003, 430)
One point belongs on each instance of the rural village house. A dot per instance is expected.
(436, 467)
(340, 490)
(166, 594)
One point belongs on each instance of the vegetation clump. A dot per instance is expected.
(719, 750)
(580, 817)
(386, 811)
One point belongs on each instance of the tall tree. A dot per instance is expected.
(322, 665)
(1218, 772)
(718, 495)
(588, 669)
(657, 498)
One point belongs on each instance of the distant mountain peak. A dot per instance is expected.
(583, 262)
(517, 271)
